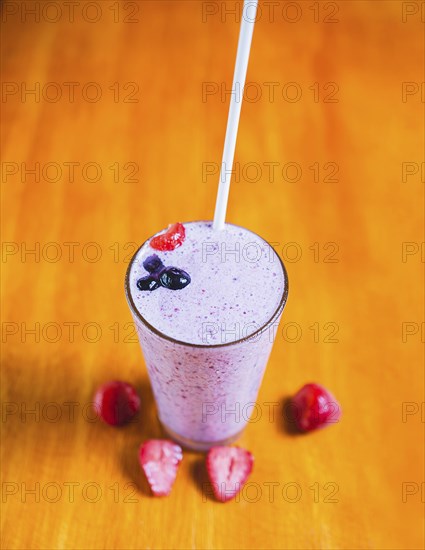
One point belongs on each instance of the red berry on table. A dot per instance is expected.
(116, 402)
(171, 239)
(314, 407)
(160, 459)
(228, 469)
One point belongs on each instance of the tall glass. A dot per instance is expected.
(206, 392)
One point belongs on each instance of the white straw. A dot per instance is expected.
(244, 46)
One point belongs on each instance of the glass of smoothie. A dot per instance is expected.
(206, 310)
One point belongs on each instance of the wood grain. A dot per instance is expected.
(339, 488)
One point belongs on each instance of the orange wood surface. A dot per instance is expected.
(355, 311)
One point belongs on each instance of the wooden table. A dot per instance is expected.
(122, 134)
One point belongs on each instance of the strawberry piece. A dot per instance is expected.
(228, 469)
(160, 459)
(314, 407)
(116, 402)
(171, 239)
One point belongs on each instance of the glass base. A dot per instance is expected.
(199, 445)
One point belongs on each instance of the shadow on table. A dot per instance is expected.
(288, 419)
(199, 475)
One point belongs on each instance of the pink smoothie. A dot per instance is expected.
(206, 345)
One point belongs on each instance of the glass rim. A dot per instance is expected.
(139, 316)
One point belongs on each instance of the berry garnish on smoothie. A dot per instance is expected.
(171, 239)
(170, 277)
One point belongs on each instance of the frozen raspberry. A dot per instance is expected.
(171, 239)
(116, 402)
(314, 407)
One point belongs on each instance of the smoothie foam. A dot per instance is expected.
(236, 287)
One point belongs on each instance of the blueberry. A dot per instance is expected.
(153, 263)
(159, 275)
(147, 283)
(174, 278)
